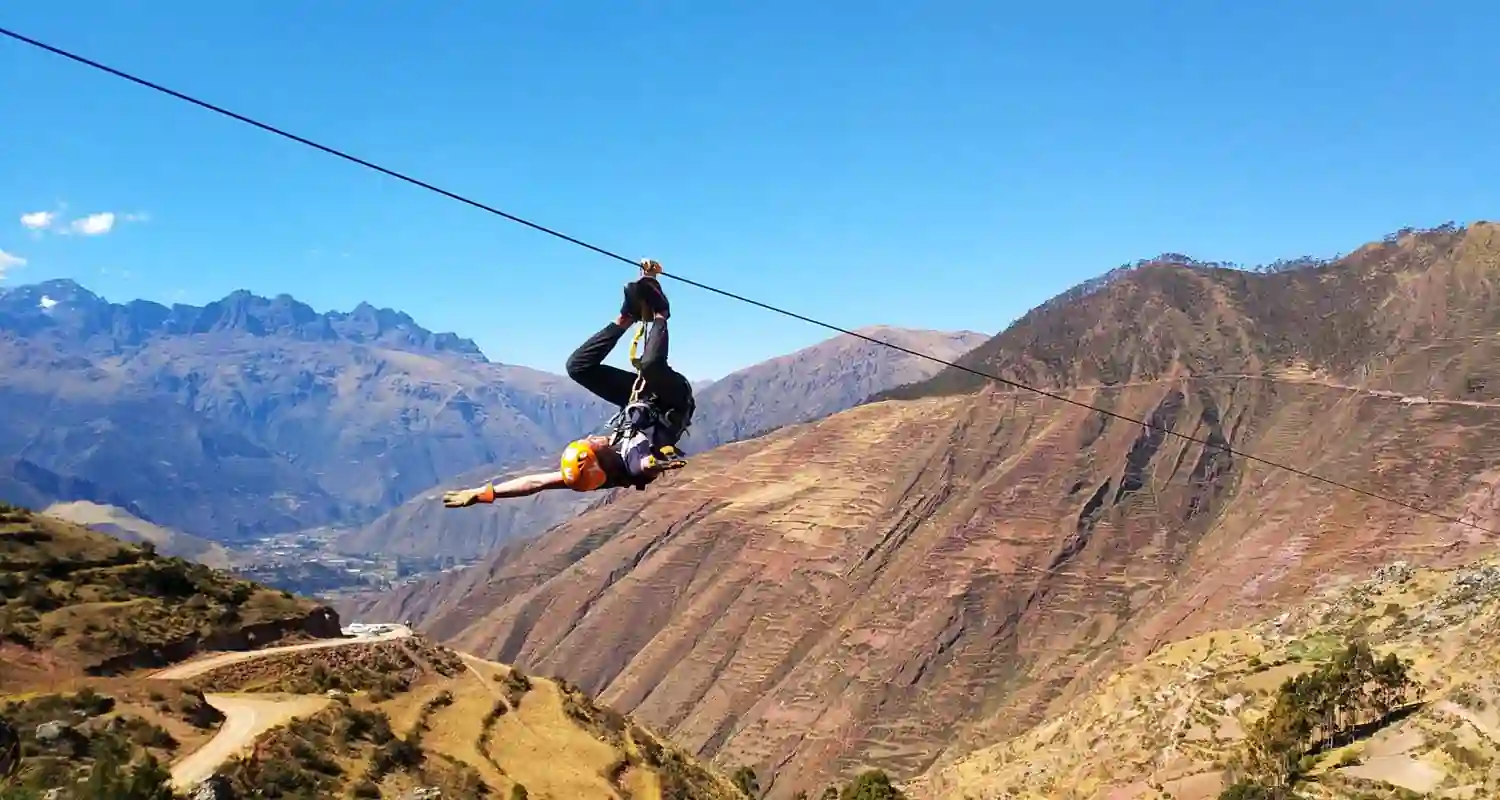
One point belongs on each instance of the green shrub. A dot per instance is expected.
(1249, 790)
(871, 785)
(746, 781)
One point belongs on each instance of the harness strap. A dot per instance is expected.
(619, 424)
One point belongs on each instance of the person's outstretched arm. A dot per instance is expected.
(515, 487)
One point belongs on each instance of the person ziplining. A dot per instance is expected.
(656, 407)
(592, 462)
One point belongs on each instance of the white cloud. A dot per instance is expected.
(46, 303)
(94, 224)
(8, 262)
(38, 220)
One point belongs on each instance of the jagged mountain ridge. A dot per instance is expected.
(904, 581)
(815, 381)
(249, 415)
(63, 309)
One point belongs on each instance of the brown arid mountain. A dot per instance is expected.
(906, 581)
(816, 381)
(252, 415)
(813, 382)
(377, 713)
(1184, 720)
(127, 527)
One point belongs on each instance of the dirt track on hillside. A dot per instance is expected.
(246, 717)
(190, 669)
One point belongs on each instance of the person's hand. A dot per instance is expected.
(461, 498)
(650, 267)
(630, 307)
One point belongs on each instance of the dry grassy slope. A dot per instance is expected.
(909, 579)
(813, 382)
(163, 721)
(125, 526)
(79, 600)
(547, 737)
(1173, 719)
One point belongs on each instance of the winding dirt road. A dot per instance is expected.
(193, 668)
(247, 716)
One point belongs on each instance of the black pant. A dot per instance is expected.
(666, 386)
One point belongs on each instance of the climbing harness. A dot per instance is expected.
(638, 414)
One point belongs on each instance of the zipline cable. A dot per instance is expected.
(610, 254)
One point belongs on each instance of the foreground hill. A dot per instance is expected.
(387, 719)
(813, 382)
(75, 597)
(910, 579)
(383, 715)
(252, 415)
(1184, 718)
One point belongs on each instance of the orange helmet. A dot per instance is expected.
(580, 467)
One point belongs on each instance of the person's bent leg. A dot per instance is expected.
(586, 366)
(671, 386)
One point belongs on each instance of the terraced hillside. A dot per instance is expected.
(1178, 721)
(903, 582)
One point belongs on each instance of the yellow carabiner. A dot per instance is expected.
(635, 343)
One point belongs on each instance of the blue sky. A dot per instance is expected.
(943, 165)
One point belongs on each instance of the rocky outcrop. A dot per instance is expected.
(320, 623)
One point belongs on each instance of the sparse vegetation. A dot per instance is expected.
(101, 601)
(871, 785)
(82, 739)
(746, 781)
(1315, 711)
(516, 685)
(298, 760)
(385, 669)
(604, 722)
(348, 749)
